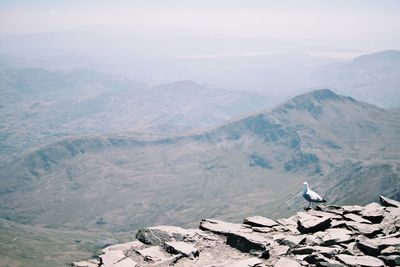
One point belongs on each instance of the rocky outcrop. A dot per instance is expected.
(326, 236)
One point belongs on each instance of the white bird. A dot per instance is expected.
(311, 196)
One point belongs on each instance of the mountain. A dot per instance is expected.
(255, 164)
(374, 78)
(40, 106)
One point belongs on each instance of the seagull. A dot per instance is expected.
(311, 196)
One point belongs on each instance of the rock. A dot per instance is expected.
(111, 257)
(364, 229)
(365, 261)
(84, 264)
(391, 260)
(324, 214)
(356, 218)
(368, 247)
(124, 246)
(250, 262)
(312, 225)
(286, 262)
(336, 236)
(373, 212)
(260, 221)
(152, 254)
(128, 262)
(263, 229)
(247, 242)
(159, 234)
(291, 240)
(356, 209)
(223, 228)
(326, 251)
(384, 242)
(387, 202)
(320, 260)
(183, 248)
(331, 209)
(279, 250)
(391, 251)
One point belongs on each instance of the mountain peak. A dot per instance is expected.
(323, 94)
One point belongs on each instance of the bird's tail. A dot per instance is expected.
(323, 200)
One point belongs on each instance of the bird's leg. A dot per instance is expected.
(307, 208)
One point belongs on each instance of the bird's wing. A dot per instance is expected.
(314, 196)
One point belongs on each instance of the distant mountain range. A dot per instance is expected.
(39, 106)
(252, 165)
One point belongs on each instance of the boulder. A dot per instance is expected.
(247, 242)
(260, 221)
(364, 261)
(223, 228)
(286, 262)
(387, 202)
(186, 249)
(157, 235)
(312, 225)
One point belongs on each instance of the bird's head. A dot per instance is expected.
(305, 185)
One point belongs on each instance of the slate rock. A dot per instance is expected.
(336, 236)
(387, 202)
(390, 260)
(247, 242)
(183, 248)
(152, 254)
(260, 221)
(364, 261)
(124, 246)
(223, 228)
(291, 240)
(111, 257)
(128, 262)
(391, 251)
(368, 247)
(85, 264)
(355, 218)
(312, 225)
(373, 212)
(286, 262)
(364, 229)
(157, 235)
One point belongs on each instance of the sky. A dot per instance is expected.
(361, 24)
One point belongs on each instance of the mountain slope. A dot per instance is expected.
(252, 165)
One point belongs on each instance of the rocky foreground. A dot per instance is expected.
(330, 236)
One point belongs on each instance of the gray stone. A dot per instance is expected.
(128, 262)
(312, 225)
(111, 257)
(326, 251)
(391, 251)
(286, 262)
(387, 202)
(250, 262)
(364, 261)
(157, 235)
(279, 250)
(384, 242)
(391, 260)
(124, 246)
(84, 264)
(364, 229)
(373, 212)
(247, 242)
(291, 240)
(260, 221)
(356, 209)
(368, 247)
(152, 254)
(336, 236)
(356, 218)
(183, 248)
(223, 228)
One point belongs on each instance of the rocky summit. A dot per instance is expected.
(331, 236)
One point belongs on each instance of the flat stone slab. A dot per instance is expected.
(128, 262)
(124, 246)
(223, 228)
(286, 262)
(336, 236)
(250, 262)
(356, 218)
(153, 254)
(364, 229)
(260, 221)
(291, 240)
(312, 225)
(373, 212)
(365, 261)
(157, 235)
(84, 264)
(183, 248)
(387, 202)
(246, 242)
(111, 257)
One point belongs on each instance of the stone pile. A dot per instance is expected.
(330, 236)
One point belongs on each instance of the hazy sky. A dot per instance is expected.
(362, 24)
